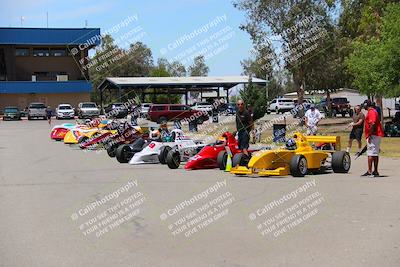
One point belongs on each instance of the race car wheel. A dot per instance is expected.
(298, 166)
(163, 154)
(83, 139)
(122, 154)
(341, 162)
(221, 159)
(173, 159)
(240, 159)
(111, 151)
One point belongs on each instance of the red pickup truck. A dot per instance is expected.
(171, 112)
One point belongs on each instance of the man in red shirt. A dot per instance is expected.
(373, 133)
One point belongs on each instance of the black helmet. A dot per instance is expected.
(291, 144)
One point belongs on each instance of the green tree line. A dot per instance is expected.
(349, 44)
(110, 60)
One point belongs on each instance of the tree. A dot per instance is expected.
(199, 67)
(291, 21)
(255, 99)
(162, 69)
(138, 61)
(177, 69)
(100, 65)
(375, 64)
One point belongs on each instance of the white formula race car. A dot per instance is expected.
(156, 152)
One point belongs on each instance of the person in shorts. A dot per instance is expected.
(357, 128)
(312, 118)
(373, 133)
(244, 124)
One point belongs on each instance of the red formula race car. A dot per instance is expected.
(215, 155)
(59, 131)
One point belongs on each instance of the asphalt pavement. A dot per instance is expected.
(61, 206)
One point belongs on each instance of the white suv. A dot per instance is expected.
(65, 111)
(203, 106)
(281, 105)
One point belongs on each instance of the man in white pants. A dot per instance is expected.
(312, 118)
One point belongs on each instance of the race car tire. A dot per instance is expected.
(240, 159)
(222, 159)
(122, 153)
(298, 166)
(83, 139)
(173, 159)
(341, 162)
(163, 154)
(111, 151)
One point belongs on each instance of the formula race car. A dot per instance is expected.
(181, 152)
(125, 152)
(298, 158)
(96, 140)
(118, 132)
(156, 152)
(81, 135)
(215, 155)
(126, 134)
(71, 133)
(59, 131)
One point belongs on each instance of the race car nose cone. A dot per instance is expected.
(191, 164)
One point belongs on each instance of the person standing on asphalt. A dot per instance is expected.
(373, 133)
(48, 114)
(357, 128)
(244, 124)
(312, 118)
(135, 114)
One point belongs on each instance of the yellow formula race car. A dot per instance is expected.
(83, 132)
(298, 158)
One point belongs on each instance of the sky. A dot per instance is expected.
(174, 29)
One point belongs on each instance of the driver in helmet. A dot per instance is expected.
(164, 132)
(291, 144)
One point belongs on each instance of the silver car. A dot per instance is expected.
(37, 110)
(88, 110)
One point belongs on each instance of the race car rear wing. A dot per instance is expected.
(329, 139)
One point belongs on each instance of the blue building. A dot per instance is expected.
(46, 65)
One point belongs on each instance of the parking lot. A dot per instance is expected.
(46, 188)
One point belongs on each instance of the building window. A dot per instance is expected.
(41, 52)
(58, 52)
(22, 52)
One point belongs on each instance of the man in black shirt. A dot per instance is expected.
(244, 124)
